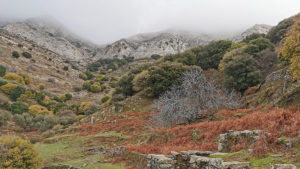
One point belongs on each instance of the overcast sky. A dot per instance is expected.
(104, 21)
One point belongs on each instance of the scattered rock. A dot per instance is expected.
(283, 166)
(229, 139)
(236, 165)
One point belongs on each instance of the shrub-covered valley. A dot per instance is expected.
(237, 102)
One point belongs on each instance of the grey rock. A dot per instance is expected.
(283, 166)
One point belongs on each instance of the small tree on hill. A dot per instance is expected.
(192, 100)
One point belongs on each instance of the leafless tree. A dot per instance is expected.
(192, 99)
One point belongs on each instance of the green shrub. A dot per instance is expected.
(15, 54)
(257, 45)
(253, 36)
(2, 71)
(95, 87)
(20, 45)
(241, 73)
(162, 77)
(27, 55)
(24, 120)
(6, 105)
(277, 33)
(19, 107)
(125, 85)
(14, 77)
(209, 56)
(105, 99)
(92, 109)
(66, 68)
(68, 96)
(3, 82)
(4, 117)
(17, 92)
(155, 56)
(8, 88)
(83, 76)
(18, 153)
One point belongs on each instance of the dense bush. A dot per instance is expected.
(17, 92)
(15, 54)
(155, 56)
(27, 55)
(83, 76)
(92, 109)
(105, 99)
(163, 76)
(8, 88)
(257, 45)
(4, 117)
(241, 73)
(3, 82)
(66, 68)
(26, 78)
(253, 36)
(210, 55)
(2, 71)
(14, 77)
(109, 63)
(41, 122)
(35, 110)
(95, 87)
(19, 107)
(290, 50)
(18, 153)
(125, 85)
(277, 33)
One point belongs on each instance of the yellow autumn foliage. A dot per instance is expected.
(14, 77)
(37, 109)
(16, 152)
(8, 88)
(291, 49)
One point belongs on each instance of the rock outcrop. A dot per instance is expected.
(283, 166)
(192, 160)
(258, 28)
(229, 139)
(161, 43)
(51, 35)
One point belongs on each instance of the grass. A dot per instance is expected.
(67, 149)
(255, 162)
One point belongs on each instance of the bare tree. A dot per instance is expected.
(192, 99)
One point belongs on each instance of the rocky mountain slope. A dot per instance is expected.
(258, 28)
(51, 35)
(161, 43)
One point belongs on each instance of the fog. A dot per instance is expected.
(104, 21)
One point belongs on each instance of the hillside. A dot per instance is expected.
(171, 99)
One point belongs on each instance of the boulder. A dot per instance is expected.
(283, 166)
(235, 165)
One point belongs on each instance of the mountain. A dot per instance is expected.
(51, 35)
(258, 28)
(161, 43)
